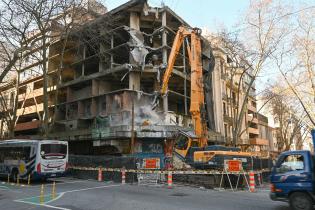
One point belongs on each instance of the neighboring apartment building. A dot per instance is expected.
(29, 107)
(265, 137)
(225, 93)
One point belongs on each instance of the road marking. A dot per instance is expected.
(91, 188)
(4, 189)
(45, 205)
(57, 183)
(59, 196)
(56, 198)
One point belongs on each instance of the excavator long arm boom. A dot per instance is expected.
(197, 91)
(179, 38)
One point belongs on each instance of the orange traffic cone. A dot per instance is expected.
(169, 180)
(123, 176)
(251, 181)
(100, 175)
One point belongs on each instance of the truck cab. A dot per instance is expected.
(292, 179)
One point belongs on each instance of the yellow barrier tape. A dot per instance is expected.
(146, 171)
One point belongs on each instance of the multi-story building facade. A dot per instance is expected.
(229, 91)
(24, 97)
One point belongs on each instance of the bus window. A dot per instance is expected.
(51, 151)
(26, 153)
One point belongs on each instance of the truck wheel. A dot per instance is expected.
(299, 201)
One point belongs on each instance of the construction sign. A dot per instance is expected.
(233, 165)
(151, 163)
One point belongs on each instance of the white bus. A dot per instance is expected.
(41, 159)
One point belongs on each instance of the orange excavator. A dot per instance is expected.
(191, 147)
(197, 93)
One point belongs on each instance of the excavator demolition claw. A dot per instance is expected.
(156, 99)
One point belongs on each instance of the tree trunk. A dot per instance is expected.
(45, 81)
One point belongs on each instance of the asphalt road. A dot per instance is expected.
(76, 194)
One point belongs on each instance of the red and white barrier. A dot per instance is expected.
(251, 181)
(169, 180)
(100, 175)
(123, 176)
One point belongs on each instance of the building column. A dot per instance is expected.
(164, 54)
(134, 77)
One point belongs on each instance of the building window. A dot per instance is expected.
(225, 131)
(224, 108)
(228, 111)
(234, 97)
(222, 66)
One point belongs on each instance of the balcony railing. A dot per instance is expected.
(253, 130)
(35, 93)
(259, 141)
(224, 76)
(30, 109)
(227, 118)
(251, 108)
(27, 125)
(252, 119)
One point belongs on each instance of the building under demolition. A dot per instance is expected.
(112, 67)
(102, 85)
(112, 71)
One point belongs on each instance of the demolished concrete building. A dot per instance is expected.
(112, 68)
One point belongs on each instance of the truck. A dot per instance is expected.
(292, 178)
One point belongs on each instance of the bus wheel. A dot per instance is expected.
(14, 174)
(299, 201)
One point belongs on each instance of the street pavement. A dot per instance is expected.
(77, 194)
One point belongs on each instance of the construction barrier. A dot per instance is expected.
(251, 181)
(123, 176)
(169, 180)
(238, 180)
(146, 171)
(100, 175)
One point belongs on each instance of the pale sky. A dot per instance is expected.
(211, 14)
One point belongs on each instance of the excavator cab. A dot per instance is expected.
(184, 143)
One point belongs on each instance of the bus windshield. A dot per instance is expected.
(53, 151)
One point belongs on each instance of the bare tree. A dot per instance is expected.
(51, 21)
(10, 102)
(296, 62)
(290, 123)
(14, 27)
(248, 50)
